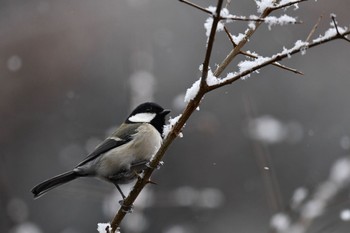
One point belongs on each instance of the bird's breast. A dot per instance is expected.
(143, 146)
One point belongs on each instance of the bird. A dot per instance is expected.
(120, 158)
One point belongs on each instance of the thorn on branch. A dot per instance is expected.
(336, 28)
(151, 182)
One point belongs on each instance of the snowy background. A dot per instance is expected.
(71, 70)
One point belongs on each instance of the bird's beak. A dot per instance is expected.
(165, 112)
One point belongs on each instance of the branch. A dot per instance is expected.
(204, 88)
(214, 26)
(336, 28)
(278, 57)
(254, 56)
(314, 29)
(196, 6)
(176, 130)
(249, 32)
(287, 4)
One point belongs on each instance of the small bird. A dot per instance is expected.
(122, 156)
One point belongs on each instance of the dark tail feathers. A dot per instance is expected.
(49, 184)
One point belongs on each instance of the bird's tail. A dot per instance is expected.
(49, 184)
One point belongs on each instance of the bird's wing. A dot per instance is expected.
(122, 136)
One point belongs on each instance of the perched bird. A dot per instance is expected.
(123, 155)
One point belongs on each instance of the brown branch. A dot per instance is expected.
(336, 28)
(196, 6)
(312, 32)
(253, 56)
(254, 19)
(287, 4)
(194, 103)
(248, 34)
(276, 58)
(177, 128)
(216, 20)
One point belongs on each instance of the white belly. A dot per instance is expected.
(144, 145)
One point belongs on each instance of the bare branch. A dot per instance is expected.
(242, 18)
(336, 28)
(216, 20)
(177, 128)
(229, 36)
(312, 32)
(287, 4)
(228, 2)
(196, 6)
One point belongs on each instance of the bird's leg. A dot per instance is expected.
(120, 191)
(126, 208)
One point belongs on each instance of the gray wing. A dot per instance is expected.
(120, 137)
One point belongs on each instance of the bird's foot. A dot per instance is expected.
(126, 208)
(160, 164)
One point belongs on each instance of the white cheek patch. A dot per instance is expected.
(142, 117)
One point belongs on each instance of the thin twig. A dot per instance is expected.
(254, 19)
(312, 32)
(216, 20)
(194, 103)
(287, 4)
(254, 56)
(245, 19)
(276, 58)
(196, 6)
(249, 32)
(177, 128)
(228, 2)
(229, 36)
(336, 28)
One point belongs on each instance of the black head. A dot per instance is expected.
(149, 113)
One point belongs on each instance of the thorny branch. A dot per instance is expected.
(204, 88)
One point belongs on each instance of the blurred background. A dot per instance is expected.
(71, 70)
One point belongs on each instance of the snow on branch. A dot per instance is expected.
(226, 17)
(247, 67)
(210, 80)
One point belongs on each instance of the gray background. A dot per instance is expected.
(67, 78)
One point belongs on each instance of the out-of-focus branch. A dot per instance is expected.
(313, 30)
